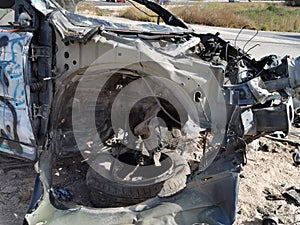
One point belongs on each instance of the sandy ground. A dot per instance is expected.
(268, 173)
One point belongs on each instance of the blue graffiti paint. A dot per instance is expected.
(12, 72)
(19, 103)
(15, 70)
(14, 110)
(17, 41)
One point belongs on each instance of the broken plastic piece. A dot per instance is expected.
(296, 158)
(64, 194)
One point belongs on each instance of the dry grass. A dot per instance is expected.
(212, 14)
(135, 14)
(89, 9)
(260, 16)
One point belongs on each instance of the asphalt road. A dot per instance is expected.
(279, 43)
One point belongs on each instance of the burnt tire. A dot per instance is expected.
(107, 193)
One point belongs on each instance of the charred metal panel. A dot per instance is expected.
(16, 135)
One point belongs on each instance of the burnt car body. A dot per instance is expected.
(162, 96)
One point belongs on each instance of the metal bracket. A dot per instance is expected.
(40, 51)
(41, 111)
(238, 95)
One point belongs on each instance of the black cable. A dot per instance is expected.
(250, 40)
(134, 5)
(235, 40)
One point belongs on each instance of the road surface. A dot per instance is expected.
(278, 43)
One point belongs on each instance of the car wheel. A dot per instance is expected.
(108, 189)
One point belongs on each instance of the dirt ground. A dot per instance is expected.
(16, 185)
(268, 173)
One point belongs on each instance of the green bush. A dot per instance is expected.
(274, 8)
(264, 27)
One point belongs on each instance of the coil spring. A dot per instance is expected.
(38, 86)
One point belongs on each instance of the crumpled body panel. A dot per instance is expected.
(212, 201)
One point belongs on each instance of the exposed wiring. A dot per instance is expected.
(250, 40)
(254, 46)
(235, 40)
(57, 76)
(10, 31)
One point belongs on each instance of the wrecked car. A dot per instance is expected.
(155, 118)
